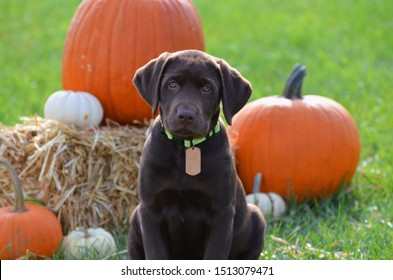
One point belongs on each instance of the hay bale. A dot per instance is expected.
(87, 177)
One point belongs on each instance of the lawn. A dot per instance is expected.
(347, 49)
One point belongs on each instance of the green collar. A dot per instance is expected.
(196, 141)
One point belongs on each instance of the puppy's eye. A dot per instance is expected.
(206, 89)
(173, 85)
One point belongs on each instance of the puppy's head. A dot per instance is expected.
(188, 86)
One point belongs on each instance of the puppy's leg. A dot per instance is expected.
(218, 244)
(135, 242)
(256, 239)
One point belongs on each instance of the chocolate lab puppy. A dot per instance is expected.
(193, 204)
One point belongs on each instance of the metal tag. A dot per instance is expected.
(193, 161)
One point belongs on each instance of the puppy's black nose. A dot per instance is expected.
(186, 115)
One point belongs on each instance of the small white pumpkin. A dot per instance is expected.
(261, 200)
(86, 244)
(74, 107)
(278, 204)
(270, 203)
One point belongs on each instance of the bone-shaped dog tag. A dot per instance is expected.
(193, 161)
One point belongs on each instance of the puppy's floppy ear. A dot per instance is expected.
(236, 90)
(147, 80)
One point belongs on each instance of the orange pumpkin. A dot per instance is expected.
(304, 146)
(27, 228)
(108, 40)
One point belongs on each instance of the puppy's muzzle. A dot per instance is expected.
(186, 115)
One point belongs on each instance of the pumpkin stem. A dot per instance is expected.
(257, 182)
(293, 87)
(85, 232)
(19, 205)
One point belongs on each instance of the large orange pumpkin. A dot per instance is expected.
(27, 228)
(304, 146)
(108, 40)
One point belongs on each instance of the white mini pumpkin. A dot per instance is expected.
(74, 107)
(88, 243)
(270, 203)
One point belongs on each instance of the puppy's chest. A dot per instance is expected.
(200, 160)
(189, 203)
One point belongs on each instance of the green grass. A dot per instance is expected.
(347, 49)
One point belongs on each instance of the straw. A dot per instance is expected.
(86, 176)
